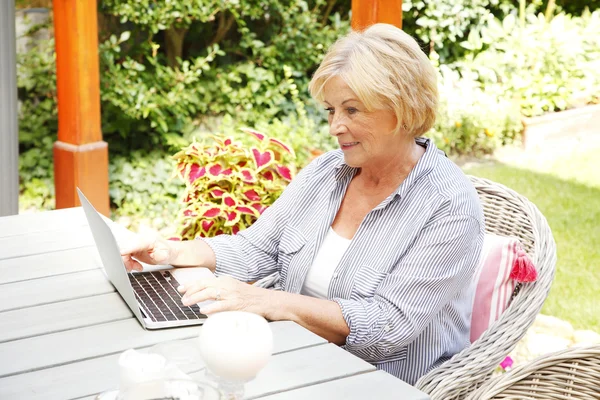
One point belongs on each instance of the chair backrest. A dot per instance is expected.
(510, 214)
(573, 373)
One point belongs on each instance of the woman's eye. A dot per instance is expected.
(352, 110)
(329, 110)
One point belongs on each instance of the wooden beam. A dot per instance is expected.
(368, 12)
(80, 154)
(9, 133)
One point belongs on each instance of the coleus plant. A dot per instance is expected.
(229, 184)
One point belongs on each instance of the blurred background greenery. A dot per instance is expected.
(171, 71)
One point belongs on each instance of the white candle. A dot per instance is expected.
(136, 367)
(235, 345)
(170, 389)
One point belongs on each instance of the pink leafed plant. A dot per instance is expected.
(229, 185)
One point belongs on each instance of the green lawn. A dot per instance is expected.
(568, 194)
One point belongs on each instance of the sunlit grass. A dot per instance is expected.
(568, 194)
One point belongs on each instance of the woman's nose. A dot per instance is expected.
(337, 126)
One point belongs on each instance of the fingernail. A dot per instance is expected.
(180, 288)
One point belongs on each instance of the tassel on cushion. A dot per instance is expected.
(523, 269)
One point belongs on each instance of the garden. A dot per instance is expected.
(192, 84)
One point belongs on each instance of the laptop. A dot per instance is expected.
(151, 295)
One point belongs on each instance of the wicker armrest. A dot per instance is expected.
(573, 373)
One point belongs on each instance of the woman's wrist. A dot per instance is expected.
(192, 253)
(320, 316)
(277, 305)
(174, 251)
(182, 254)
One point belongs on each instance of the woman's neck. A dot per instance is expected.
(391, 171)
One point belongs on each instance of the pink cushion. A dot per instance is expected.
(494, 286)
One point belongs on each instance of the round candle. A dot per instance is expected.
(170, 389)
(235, 345)
(136, 367)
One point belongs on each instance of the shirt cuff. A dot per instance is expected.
(364, 318)
(370, 330)
(226, 258)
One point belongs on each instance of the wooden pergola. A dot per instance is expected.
(80, 154)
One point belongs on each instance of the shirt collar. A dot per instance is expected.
(343, 170)
(425, 164)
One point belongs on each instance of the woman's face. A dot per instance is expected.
(364, 136)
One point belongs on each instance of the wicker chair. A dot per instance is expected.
(569, 374)
(510, 214)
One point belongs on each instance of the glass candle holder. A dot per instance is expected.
(169, 390)
(235, 346)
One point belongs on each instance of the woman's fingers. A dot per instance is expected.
(217, 306)
(197, 285)
(197, 291)
(131, 264)
(210, 293)
(201, 290)
(146, 249)
(132, 247)
(160, 254)
(134, 243)
(229, 294)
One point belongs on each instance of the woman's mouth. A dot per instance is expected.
(346, 146)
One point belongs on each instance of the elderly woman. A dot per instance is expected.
(376, 242)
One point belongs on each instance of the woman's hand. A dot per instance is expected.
(148, 248)
(229, 295)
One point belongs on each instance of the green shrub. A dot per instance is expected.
(303, 127)
(441, 25)
(573, 7)
(148, 104)
(142, 184)
(38, 123)
(202, 59)
(36, 82)
(548, 66)
(471, 120)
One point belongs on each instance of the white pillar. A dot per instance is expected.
(9, 133)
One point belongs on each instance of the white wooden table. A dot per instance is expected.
(63, 327)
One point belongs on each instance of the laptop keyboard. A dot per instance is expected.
(157, 294)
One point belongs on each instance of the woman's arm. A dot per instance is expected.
(248, 256)
(152, 249)
(193, 253)
(252, 253)
(322, 317)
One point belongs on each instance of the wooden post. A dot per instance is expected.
(80, 155)
(369, 12)
(9, 133)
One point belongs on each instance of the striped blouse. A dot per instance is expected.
(404, 285)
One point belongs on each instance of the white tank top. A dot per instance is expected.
(327, 259)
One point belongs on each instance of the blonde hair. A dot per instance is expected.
(386, 69)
